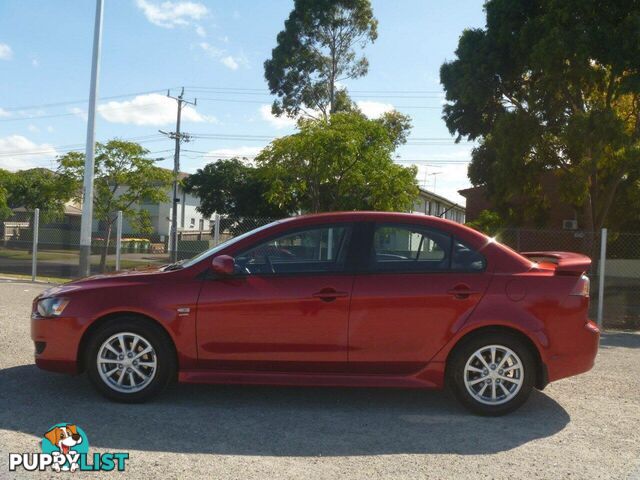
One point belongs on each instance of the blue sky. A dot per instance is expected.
(216, 50)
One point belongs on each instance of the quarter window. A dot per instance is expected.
(315, 250)
(466, 259)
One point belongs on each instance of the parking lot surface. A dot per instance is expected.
(582, 427)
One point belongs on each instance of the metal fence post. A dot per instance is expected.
(601, 269)
(118, 238)
(34, 250)
(216, 228)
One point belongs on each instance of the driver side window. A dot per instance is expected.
(314, 250)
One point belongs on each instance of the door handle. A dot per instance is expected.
(462, 291)
(329, 294)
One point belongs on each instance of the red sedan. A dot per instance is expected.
(341, 299)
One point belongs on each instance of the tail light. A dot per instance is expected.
(582, 286)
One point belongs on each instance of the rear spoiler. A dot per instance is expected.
(567, 263)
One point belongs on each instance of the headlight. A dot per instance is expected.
(52, 307)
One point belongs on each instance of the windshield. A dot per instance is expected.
(217, 248)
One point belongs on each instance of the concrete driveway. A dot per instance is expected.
(585, 427)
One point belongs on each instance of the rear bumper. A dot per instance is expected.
(579, 357)
(56, 341)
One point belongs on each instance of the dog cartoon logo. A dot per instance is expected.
(65, 441)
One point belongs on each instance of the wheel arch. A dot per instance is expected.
(103, 320)
(541, 380)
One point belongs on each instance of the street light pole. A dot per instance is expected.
(89, 161)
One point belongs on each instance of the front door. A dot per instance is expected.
(418, 283)
(285, 309)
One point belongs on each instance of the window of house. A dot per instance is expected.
(313, 250)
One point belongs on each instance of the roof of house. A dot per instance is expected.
(440, 198)
(71, 210)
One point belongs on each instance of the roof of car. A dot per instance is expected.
(370, 215)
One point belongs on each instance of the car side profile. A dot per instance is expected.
(358, 299)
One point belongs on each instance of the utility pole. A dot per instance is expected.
(179, 137)
(87, 189)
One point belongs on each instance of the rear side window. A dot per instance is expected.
(410, 248)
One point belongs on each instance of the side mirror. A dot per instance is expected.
(223, 265)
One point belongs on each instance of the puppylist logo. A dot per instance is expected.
(65, 447)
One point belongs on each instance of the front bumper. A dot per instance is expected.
(578, 357)
(56, 343)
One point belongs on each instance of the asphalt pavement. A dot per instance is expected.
(587, 427)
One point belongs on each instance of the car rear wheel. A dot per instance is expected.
(130, 359)
(492, 374)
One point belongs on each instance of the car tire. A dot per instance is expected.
(141, 370)
(491, 374)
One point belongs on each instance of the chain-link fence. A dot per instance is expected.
(58, 242)
(621, 266)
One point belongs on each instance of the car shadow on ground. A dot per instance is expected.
(620, 339)
(236, 420)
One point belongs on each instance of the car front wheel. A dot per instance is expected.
(492, 374)
(130, 360)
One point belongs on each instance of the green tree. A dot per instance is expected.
(549, 85)
(317, 50)
(5, 178)
(124, 178)
(39, 188)
(5, 211)
(341, 163)
(235, 189)
(488, 222)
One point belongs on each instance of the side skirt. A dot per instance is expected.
(431, 377)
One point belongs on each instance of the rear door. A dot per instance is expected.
(417, 284)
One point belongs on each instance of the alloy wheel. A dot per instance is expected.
(126, 362)
(493, 374)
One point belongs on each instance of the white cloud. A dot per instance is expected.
(244, 151)
(374, 109)
(5, 52)
(78, 112)
(151, 109)
(220, 54)
(278, 122)
(18, 152)
(4, 113)
(172, 14)
(35, 63)
(200, 31)
(229, 62)
(32, 128)
(212, 50)
(50, 128)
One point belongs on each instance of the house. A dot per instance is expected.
(160, 213)
(429, 203)
(561, 217)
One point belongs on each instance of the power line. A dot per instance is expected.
(78, 146)
(72, 102)
(102, 108)
(241, 89)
